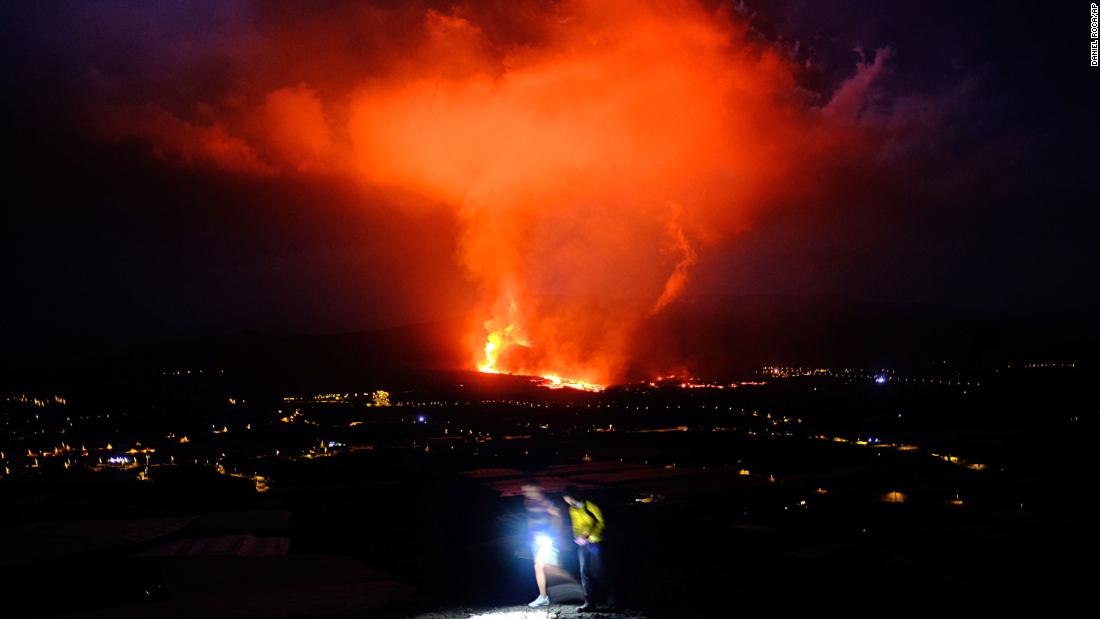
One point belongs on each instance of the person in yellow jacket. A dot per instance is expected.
(588, 526)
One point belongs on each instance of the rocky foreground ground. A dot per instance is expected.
(523, 612)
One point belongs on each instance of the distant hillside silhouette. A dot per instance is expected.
(713, 336)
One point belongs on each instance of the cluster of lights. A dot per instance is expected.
(190, 372)
(376, 398)
(877, 443)
(37, 402)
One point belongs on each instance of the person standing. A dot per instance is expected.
(541, 530)
(588, 526)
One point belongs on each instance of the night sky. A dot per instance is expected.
(151, 190)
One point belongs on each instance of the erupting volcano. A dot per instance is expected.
(591, 169)
(589, 155)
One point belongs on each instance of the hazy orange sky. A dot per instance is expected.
(553, 175)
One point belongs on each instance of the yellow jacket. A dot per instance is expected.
(588, 522)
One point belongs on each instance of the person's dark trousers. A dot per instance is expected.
(593, 578)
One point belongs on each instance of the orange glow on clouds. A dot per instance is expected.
(589, 169)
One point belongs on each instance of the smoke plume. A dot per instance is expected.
(592, 152)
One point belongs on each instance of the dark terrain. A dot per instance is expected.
(933, 488)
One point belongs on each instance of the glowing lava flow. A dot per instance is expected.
(500, 339)
(553, 381)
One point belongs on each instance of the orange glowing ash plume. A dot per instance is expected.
(590, 152)
(589, 172)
